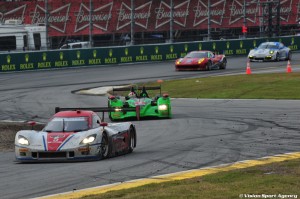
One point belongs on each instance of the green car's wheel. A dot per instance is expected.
(109, 114)
(110, 117)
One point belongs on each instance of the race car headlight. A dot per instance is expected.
(178, 61)
(271, 51)
(200, 61)
(118, 109)
(22, 140)
(89, 139)
(162, 107)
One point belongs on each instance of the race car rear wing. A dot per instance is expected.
(98, 109)
(137, 88)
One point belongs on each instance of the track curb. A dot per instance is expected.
(174, 176)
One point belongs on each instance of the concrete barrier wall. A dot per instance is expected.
(128, 54)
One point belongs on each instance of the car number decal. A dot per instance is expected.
(139, 103)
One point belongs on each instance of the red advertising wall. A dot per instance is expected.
(71, 17)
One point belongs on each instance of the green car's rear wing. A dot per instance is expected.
(138, 88)
(98, 109)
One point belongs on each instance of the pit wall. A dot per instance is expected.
(41, 60)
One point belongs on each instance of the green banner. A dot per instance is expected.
(130, 54)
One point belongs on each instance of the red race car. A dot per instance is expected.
(201, 60)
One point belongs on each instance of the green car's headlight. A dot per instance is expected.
(163, 107)
(271, 51)
(89, 139)
(118, 109)
(22, 140)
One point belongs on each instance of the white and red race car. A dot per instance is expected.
(75, 134)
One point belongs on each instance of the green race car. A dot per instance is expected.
(145, 107)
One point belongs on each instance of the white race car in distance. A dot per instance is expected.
(270, 51)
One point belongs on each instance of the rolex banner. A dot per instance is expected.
(39, 60)
(72, 17)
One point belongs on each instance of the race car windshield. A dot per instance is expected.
(267, 46)
(67, 124)
(196, 55)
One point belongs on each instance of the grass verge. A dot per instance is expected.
(255, 86)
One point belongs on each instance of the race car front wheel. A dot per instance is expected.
(289, 56)
(208, 65)
(277, 57)
(223, 65)
(105, 147)
(132, 139)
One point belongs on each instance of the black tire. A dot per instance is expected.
(109, 115)
(277, 57)
(105, 147)
(132, 139)
(208, 65)
(289, 57)
(224, 64)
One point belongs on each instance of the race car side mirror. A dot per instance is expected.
(112, 97)
(31, 123)
(103, 124)
(165, 95)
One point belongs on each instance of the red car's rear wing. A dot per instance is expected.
(97, 109)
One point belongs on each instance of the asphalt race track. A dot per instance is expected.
(202, 132)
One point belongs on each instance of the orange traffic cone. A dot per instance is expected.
(248, 69)
(288, 67)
